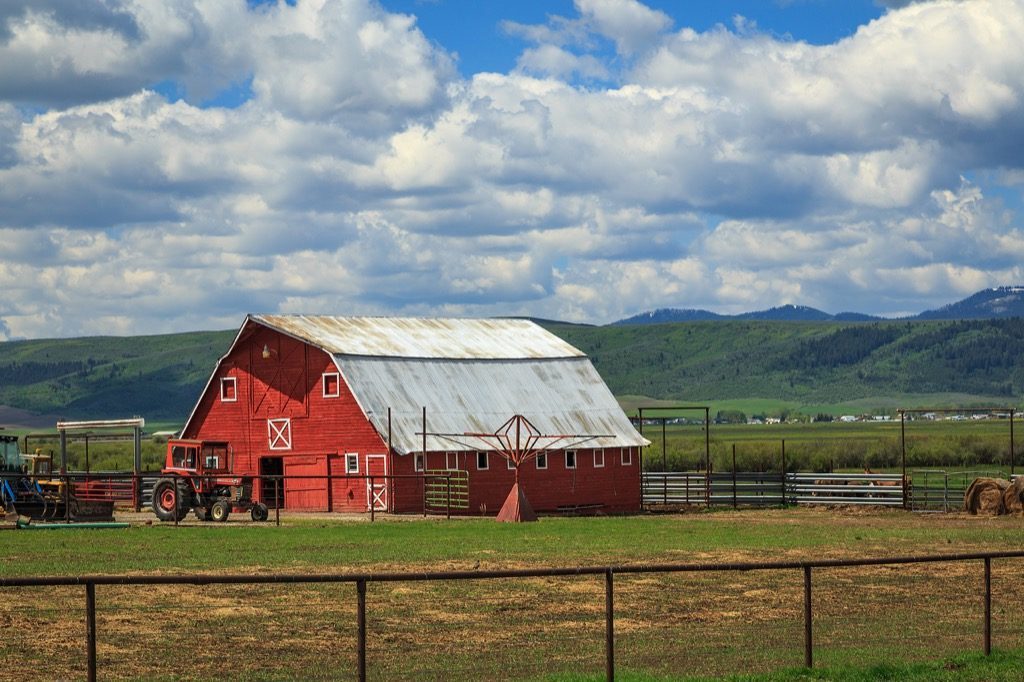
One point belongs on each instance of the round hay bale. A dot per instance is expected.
(1013, 497)
(985, 496)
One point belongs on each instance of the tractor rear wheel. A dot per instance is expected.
(170, 500)
(220, 511)
(259, 511)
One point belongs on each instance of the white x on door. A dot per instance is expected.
(377, 489)
(279, 433)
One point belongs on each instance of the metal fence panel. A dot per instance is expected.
(767, 489)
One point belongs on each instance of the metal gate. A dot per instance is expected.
(941, 490)
(446, 489)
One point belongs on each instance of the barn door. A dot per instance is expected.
(272, 489)
(307, 488)
(377, 493)
(278, 378)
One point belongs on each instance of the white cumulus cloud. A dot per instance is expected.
(717, 169)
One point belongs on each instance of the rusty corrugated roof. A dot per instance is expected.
(412, 337)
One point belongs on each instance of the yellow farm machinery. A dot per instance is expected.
(30, 488)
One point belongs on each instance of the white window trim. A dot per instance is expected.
(224, 381)
(418, 462)
(537, 460)
(279, 434)
(487, 461)
(626, 457)
(453, 455)
(575, 459)
(509, 464)
(337, 384)
(351, 457)
(598, 451)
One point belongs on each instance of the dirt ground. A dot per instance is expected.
(683, 623)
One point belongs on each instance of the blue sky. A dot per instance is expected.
(174, 166)
(473, 28)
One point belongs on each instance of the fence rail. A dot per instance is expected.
(361, 580)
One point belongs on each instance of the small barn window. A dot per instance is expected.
(279, 432)
(418, 461)
(481, 461)
(228, 389)
(509, 464)
(451, 460)
(598, 458)
(332, 385)
(542, 460)
(351, 463)
(570, 459)
(627, 457)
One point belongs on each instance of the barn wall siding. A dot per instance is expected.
(322, 430)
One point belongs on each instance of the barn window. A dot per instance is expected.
(542, 460)
(509, 464)
(332, 385)
(279, 432)
(451, 460)
(627, 457)
(418, 461)
(598, 458)
(481, 461)
(570, 459)
(228, 389)
(351, 463)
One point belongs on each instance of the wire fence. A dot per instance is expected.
(707, 618)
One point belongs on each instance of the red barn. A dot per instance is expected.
(316, 395)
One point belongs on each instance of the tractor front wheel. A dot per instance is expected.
(169, 500)
(220, 511)
(259, 512)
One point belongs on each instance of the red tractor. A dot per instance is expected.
(197, 476)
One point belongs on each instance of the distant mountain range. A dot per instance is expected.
(986, 304)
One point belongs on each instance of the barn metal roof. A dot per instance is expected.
(411, 337)
(559, 396)
(471, 375)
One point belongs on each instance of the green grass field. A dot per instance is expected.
(675, 626)
(836, 446)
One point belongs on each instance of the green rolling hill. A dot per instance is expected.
(797, 363)
(157, 377)
(809, 363)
